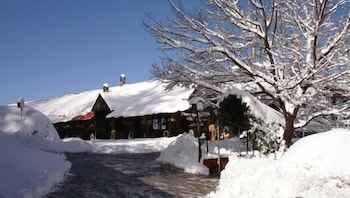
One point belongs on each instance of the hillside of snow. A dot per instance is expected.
(135, 99)
(315, 166)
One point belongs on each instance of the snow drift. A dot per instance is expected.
(315, 166)
(183, 153)
(30, 153)
(27, 171)
(32, 122)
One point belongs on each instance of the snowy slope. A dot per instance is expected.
(136, 99)
(315, 166)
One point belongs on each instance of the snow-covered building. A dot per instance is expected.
(144, 109)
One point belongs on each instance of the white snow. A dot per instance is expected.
(143, 98)
(32, 122)
(140, 145)
(27, 171)
(257, 109)
(26, 168)
(315, 166)
(183, 152)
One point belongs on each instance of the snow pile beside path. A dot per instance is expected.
(183, 153)
(30, 162)
(32, 122)
(315, 166)
(38, 130)
(68, 145)
(140, 145)
(27, 171)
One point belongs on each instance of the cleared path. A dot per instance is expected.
(129, 175)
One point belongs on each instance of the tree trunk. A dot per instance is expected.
(289, 129)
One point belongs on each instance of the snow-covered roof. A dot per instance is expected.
(257, 108)
(137, 99)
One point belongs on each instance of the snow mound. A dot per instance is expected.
(315, 166)
(32, 122)
(324, 152)
(183, 153)
(26, 170)
(31, 161)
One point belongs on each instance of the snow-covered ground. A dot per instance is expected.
(183, 153)
(31, 161)
(140, 145)
(315, 166)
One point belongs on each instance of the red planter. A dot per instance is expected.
(213, 164)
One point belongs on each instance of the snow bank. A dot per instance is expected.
(140, 145)
(68, 145)
(136, 99)
(315, 166)
(26, 168)
(183, 153)
(27, 171)
(32, 122)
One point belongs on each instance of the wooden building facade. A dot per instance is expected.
(97, 124)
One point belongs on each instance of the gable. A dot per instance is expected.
(100, 105)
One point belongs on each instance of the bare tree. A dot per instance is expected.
(296, 52)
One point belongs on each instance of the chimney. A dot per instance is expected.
(122, 79)
(105, 87)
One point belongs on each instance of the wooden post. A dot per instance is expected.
(219, 161)
(199, 150)
(247, 143)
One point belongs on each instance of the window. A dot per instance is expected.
(155, 124)
(163, 123)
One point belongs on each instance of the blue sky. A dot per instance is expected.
(53, 47)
